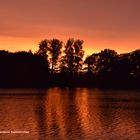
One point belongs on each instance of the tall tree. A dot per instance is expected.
(73, 55)
(67, 62)
(79, 53)
(43, 49)
(55, 51)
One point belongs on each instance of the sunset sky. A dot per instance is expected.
(113, 24)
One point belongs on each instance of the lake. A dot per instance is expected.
(69, 114)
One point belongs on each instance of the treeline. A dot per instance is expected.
(22, 69)
(62, 58)
(56, 63)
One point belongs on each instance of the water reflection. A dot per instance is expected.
(71, 114)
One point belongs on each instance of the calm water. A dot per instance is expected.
(70, 114)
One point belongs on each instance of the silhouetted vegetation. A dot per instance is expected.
(72, 60)
(59, 64)
(22, 69)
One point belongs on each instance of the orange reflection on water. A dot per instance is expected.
(89, 117)
(86, 114)
(72, 113)
(55, 111)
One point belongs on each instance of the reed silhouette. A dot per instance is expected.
(56, 63)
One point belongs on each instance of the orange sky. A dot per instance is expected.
(113, 24)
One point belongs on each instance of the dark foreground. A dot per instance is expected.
(70, 114)
(102, 70)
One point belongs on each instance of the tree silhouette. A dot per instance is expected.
(55, 51)
(134, 58)
(22, 69)
(73, 55)
(50, 51)
(90, 61)
(67, 62)
(43, 49)
(99, 63)
(122, 68)
(106, 60)
(79, 53)
(49, 66)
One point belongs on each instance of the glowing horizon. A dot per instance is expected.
(101, 24)
(18, 44)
